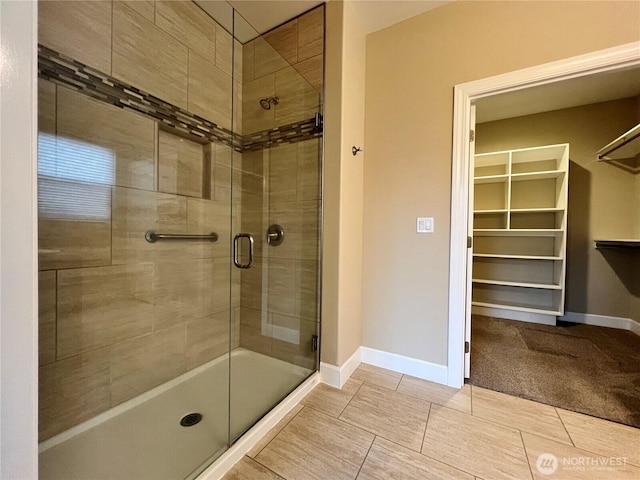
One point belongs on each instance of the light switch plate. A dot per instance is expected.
(424, 225)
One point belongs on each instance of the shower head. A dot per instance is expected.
(267, 102)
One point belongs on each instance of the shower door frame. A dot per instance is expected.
(240, 234)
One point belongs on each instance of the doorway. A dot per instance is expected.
(511, 91)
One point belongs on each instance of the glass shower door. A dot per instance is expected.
(276, 218)
(134, 160)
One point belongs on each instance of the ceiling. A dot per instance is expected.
(596, 88)
(378, 14)
(262, 15)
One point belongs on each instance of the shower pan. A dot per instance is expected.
(179, 226)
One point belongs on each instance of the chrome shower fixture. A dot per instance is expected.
(267, 102)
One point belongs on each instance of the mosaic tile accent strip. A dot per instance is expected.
(70, 73)
(291, 133)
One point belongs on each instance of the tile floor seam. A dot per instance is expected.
(514, 430)
(350, 400)
(263, 465)
(524, 429)
(365, 457)
(470, 398)
(315, 409)
(426, 425)
(347, 422)
(279, 431)
(395, 443)
(437, 460)
(398, 384)
(564, 426)
(491, 422)
(379, 435)
(604, 455)
(526, 456)
(457, 467)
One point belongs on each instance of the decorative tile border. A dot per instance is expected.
(291, 133)
(70, 73)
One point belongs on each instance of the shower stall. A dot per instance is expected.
(179, 210)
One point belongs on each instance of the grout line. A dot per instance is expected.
(55, 331)
(526, 456)
(349, 402)
(564, 426)
(426, 425)
(283, 427)
(580, 449)
(264, 466)
(457, 467)
(111, 42)
(397, 444)
(365, 457)
(189, 75)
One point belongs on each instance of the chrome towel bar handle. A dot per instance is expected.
(153, 237)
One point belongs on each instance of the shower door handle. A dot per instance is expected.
(236, 250)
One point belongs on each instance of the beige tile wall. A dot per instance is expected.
(286, 62)
(301, 43)
(119, 315)
(161, 47)
(281, 185)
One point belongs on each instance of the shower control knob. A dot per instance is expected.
(275, 235)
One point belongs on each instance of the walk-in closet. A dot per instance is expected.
(556, 245)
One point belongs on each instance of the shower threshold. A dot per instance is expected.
(143, 438)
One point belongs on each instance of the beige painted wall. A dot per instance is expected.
(331, 188)
(351, 185)
(603, 199)
(411, 69)
(343, 209)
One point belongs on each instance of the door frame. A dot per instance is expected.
(610, 59)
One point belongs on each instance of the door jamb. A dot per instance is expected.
(610, 59)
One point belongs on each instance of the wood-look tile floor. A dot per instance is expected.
(385, 425)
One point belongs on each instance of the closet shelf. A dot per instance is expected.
(519, 210)
(487, 212)
(517, 232)
(517, 257)
(519, 177)
(520, 307)
(617, 243)
(544, 286)
(536, 210)
(491, 179)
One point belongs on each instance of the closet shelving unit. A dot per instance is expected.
(520, 232)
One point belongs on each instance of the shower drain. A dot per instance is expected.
(190, 419)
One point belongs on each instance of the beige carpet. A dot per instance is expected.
(586, 369)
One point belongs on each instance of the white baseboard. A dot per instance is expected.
(410, 366)
(338, 376)
(602, 321)
(232, 456)
(515, 315)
